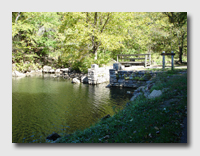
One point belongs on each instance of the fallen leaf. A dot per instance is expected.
(156, 128)
(106, 137)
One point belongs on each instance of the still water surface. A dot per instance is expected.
(42, 105)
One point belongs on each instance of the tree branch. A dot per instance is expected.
(105, 23)
(17, 17)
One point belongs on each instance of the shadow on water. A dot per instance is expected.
(43, 105)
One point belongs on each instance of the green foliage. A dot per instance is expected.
(82, 38)
(103, 58)
(26, 67)
(34, 34)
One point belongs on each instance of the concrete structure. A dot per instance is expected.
(98, 74)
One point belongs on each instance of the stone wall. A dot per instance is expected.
(131, 79)
(98, 74)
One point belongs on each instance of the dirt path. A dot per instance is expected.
(152, 67)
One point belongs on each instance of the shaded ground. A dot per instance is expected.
(184, 124)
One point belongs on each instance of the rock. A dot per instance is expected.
(108, 86)
(106, 137)
(46, 68)
(28, 74)
(75, 80)
(53, 136)
(13, 66)
(129, 92)
(18, 74)
(146, 94)
(117, 66)
(141, 88)
(135, 96)
(51, 70)
(84, 79)
(66, 76)
(155, 93)
(148, 82)
(57, 71)
(122, 67)
(149, 86)
(64, 70)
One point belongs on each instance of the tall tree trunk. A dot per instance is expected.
(95, 44)
(95, 48)
(180, 53)
(181, 48)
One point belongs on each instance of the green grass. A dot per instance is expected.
(144, 120)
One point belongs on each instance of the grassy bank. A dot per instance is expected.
(156, 120)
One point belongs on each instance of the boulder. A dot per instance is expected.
(155, 93)
(57, 71)
(53, 136)
(108, 86)
(46, 68)
(118, 66)
(52, 71)
(75, 80)
(18, 74)
(84, 79)
(141, 88)
(135, 96)
(146, 94)
(64, 70)
(148, 82)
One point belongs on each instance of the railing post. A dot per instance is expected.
(163, 60)
(145, 62)
(172, 61)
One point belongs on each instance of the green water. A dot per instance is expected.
(42, 105)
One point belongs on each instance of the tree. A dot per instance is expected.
(34, 34)
(179, 21)
(87, 32)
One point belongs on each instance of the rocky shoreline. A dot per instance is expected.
(65, 73)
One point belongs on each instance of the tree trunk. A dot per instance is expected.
(94, 49)
(96, 43)
(181, 48)
(180, 53)
(18, 14)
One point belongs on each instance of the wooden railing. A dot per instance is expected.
(131, 59)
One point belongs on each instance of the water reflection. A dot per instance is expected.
(42, 105)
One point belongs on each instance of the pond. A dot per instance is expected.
(42, 105)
